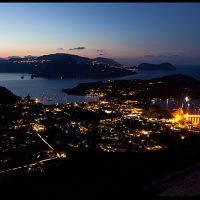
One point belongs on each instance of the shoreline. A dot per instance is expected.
(38, 87)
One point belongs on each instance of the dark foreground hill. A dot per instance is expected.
(7, 96)
(92, 173)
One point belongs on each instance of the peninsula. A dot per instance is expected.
(61, 65)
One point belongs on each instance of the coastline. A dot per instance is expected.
(39, 87)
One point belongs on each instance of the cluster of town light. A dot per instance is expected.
(179, 116)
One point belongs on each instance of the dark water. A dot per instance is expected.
(193, 71)
(49, 91)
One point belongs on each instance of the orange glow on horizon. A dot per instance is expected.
(120, 54)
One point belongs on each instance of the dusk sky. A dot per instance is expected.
(130, 33)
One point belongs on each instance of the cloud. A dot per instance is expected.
(149, 56)
(60, 49)
(101, 52)
(176, 55)
(78, 48)
(162, 56)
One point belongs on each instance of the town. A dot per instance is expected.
(35, 135)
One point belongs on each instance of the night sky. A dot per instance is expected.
(127, 32)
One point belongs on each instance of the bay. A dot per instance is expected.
(49, 91)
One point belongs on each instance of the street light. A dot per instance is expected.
(187, 99)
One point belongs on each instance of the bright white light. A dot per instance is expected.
(37, 100)
(187, 99)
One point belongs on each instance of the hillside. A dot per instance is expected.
(107, 61)
(65, 65)
(175, 86)
(7, 96)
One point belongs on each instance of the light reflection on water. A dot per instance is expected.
(192, 107)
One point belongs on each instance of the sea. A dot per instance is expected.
(49, 91)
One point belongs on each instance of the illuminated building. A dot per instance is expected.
(37, 100)
(179, 117)
(194, 119)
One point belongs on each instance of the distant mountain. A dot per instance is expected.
(13, 57)
(162, 66)
(2, 60)
(65, 65)
(7, 96)
(106, 61)
(30, 57)
(64, 57)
